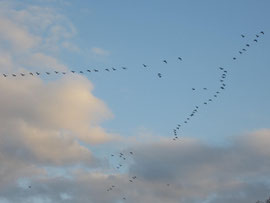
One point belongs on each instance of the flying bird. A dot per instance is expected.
(63, 73)
(13, 75)
(244, 49)
(240, 52)
(5, 75)
(180, 58)
(89, 71)
(124, 68)
(31, 73)
(247, 45)
(262, 32)
(165, 61)
(95, 70)
(22, 74)
(159, 75)
(242, 36)
(205, 88)
(144, 65)
(56, 72)
(81, 72)
(37, 73)
(257, 36)
(107, 69)
(234, 58)
(255, 40)
(193, 88)
(114, 69)
(73, 71)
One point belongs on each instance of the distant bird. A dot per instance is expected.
(37, 73)
(31, 73)
(257, 36)
(234, 58)
(255, 40)
(89, 71)
(221, 80)
(29, 186)
(63, 73)
(73, 71)
(221, 68)
(193, 88)
(81, 72)
(114, 69)
(205, 88)
(168, 184)
(95, 70)
(112, 155)
(13, 75)
(225, 71)
(131, 153)
(222, 87)
(124, 68)
(217, 92)
(124, 198)
(244, 49)
(240, 52)
(56, 72)
(247, 45)
(22, 74)
(165, 61)
(134, 177)
(205, 102)
(242, 36)
(5, 75)
(47, 73)
(262, 32)
(197, 107)
(209, 99)
(144, 65)
(215, 95)
(180, 58)
(159, 75)
(107, 69)
(131, 181)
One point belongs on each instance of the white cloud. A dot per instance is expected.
(99, 51)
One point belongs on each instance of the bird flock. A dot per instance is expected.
(215, 94)
(121, 159)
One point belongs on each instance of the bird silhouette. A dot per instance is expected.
(165, 61)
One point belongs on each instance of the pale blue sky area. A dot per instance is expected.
(206, 34)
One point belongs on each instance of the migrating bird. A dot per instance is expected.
(240, 52)
(257, 36)
(205, 88)
(107, 69)
(180, 58)
(262, 32)
(131, 153)
(114, 69)
(244, 49)
(221, 68)
(205, 102)
(31, 73)
(234, 58)
(193, 88)
(242, 36)
(144, 65)
(165, 61)
(95, 70)
(5, 75)
(81, 72)
(89, 71)
(56, 72)
(13, 75)
(37, 73)
(22, 74)
(73, 71)
(159, 75)
(255, 40)
(47, 73)
(63, 73)
(247, 45)
(124, 68)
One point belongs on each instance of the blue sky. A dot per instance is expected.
(65, 128)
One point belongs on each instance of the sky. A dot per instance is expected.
(58, 132)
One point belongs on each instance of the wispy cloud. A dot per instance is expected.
(99, 51)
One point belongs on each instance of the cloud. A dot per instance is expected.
(99, 51)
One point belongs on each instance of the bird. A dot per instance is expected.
(31, 73)
(81, 72)
(134, 177)
(124, 68)
(114, 69)
(234, 58)
(247, 45)
(193, 88)
(56, 72)
(37, 73)
(262, 32)
(209, 99)
(205, 102)
(244, 49)
(131, 153)
(144, 65)
(215, 95)
(242, 36)
(165, 61)
(221, 80)
(5, 75)
(95, 70)
(13, 75)
(107, 69)
(47, 73)
(168, 184)
(63, 73)
(159, 75)
(217, 92)
(180, 58)
(22, 74)
(221, 68)
(205, 88)
(29, 186)
(240, 52)
(131, 181)
(112, 155)
(124, 198)
(222, 87)
(89, 71)
(257, 36)
(73, 71)
(255, 40)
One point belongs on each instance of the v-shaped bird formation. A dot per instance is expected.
(121, 159)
